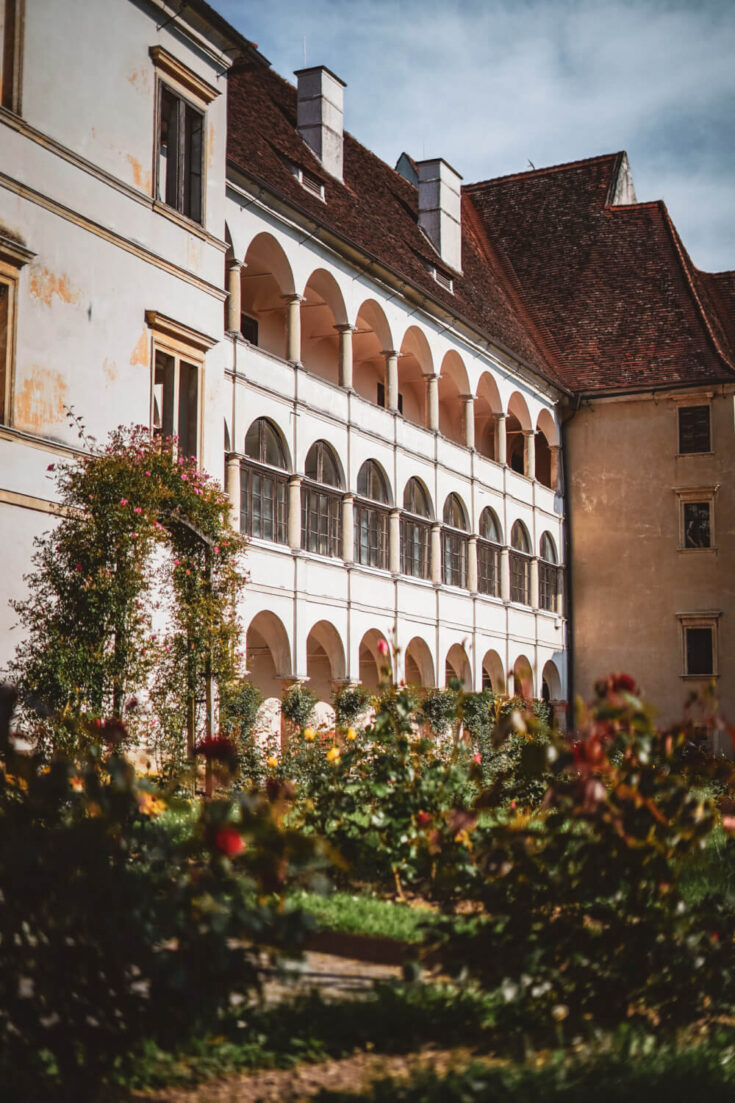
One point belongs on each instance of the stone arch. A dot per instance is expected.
(522, 678)
(415, 364)
(325, 665)
(457, 665)
(419, 664)
(551, 682)
(487, 405)
(493, 676)
(546, 437)
(267, 653)
(372, 661)
(322, 309)
(453, 385)
(518, 422)
(265, 279)
(370, 341)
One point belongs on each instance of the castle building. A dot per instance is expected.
(408, 385)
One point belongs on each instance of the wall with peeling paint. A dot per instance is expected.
(626, 546)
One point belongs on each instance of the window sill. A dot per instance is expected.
(699, 677)
(681, 455)
(688, 551)
(182, 220)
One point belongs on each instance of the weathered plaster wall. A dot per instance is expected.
(630, 576)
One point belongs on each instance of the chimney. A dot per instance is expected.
(320, 114)
(440, 209)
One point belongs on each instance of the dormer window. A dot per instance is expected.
(308, 180)
(442, 278)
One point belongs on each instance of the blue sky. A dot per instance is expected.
(493, 84)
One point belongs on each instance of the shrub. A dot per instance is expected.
(239, 704)
(349, 704)
(439, 710)
(298, 705)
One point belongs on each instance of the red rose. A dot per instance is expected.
(477, 758)
(623, 682)
(228, 841)
(422, 818)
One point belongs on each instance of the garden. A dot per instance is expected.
(557, 909)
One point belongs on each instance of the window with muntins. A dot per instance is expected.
(321, 502)
(416, 531)
(694, 429)
(696, 524)
(454, 543)
(263, 490)
(179, 153)
(548, 575)
(699, 651)
(488, 554)
(372, 521)
(520, 565)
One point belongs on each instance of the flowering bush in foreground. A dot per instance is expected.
(582, 921)
(112, 930)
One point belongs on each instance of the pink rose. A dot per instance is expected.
(382, 647)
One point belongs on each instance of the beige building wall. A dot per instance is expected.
(636, 588)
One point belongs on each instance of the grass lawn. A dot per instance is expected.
(365, 914)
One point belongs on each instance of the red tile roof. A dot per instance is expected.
(375, 210)
(613, 285)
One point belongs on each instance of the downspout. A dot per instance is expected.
(568, 561)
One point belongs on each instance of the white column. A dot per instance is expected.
(472, 564)
(348, 528)
(534, 583)
(294, 511)
(529, 453)
(501, 447)
(395, 541)
(505, 574)
(234, 293)
(293, 328)
(432, 384)
(391, 374)
(436, 553)
(469, 420)
(233, 489)
(345, 354)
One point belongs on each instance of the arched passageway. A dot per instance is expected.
(457, 665)
(419, 664)
(373, 660)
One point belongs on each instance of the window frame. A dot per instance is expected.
(11, 55)
(333, 536)
(705, 619)
(197, 94)
(185, 345)
(692, 402)
(704, 495)
(13, 257)
(278, 479)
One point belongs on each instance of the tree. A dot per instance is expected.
(141, 528)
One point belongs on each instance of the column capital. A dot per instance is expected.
(295, 480)
(345, 327)
(294, 298)
(467, 397)
(500, 416)
(389, 352)
(529, 432)
(235, 265)
(349, 496)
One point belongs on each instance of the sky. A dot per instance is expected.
(493, 85)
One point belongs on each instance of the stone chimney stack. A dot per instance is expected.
(320, 113)
(440, 214)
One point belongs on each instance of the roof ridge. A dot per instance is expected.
(542, 171)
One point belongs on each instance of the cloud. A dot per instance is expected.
(492, 84)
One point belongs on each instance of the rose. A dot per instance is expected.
(309, 735)
(382, 647)
(228, 841)
(423, 818)
(351, 735)
(333, 755)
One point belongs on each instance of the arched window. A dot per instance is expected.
(548, 575)
(454, 543)
(488, 554)
(520, 565)
(372, 519)
(416, 530)
(264, 484)
(321, 502)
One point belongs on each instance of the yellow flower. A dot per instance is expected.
(272, 761)
(17, 782)
(309, 735)
(150, 805)
(333, 755)
(351, 735)
(77, 784)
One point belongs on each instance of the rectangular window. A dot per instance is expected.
(699, 651)
(697, 529)
(371, 537)
(13, 257)
(519, 578)
(179, 154)
(454, 558)
(694, 429)
(176, 401)
(321, 521)
(11, 53)
(548, 587)
(263, 504)
(699, 644)
(488, 568)
(415, 548)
